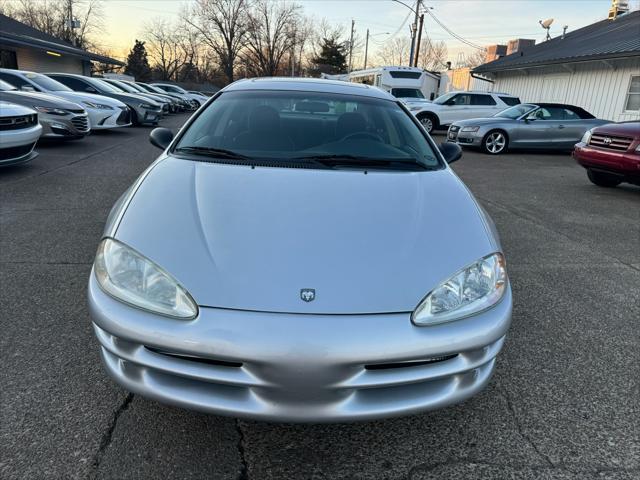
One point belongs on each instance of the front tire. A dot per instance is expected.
(495, 142)
(602, 179)
(429, 122)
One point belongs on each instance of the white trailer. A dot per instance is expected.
(402, 82)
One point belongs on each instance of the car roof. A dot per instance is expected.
(319, 85)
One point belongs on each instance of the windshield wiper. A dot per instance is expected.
(339, 160)
(213, 152)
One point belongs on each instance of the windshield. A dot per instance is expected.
(104, 86)
(46, 83)
(295, 127)
(407, 93)
(5, 87)
(515, 112)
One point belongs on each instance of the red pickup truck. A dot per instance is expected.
(611, 154)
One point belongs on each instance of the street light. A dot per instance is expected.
(366, 46)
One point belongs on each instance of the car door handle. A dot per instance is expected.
(560, 126)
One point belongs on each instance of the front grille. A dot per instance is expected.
(15, 152)
(125, 116)
(18, 122)
(81, 122)
(610, 142)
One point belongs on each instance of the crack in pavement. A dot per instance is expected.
(520, 428)
(107, 437)
(244, 471)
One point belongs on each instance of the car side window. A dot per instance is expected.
(461, 99)
(511, 101)
(549, 113)
(482, 100)
(570, 114)
(14, 80)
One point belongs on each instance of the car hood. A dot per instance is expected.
(483, 121)
(33, 99)
(11, 109)
(627, 129)
(88, 97)
(251, 239)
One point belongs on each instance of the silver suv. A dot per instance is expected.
(454, 106)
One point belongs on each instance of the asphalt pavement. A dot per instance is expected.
(563, 403)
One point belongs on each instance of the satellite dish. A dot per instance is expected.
(547, 23)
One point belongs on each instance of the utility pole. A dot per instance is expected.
(414, 27)
(366, 50)
(70, 20)
(353, 24)
(417, 55)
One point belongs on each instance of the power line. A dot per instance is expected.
(453, 34)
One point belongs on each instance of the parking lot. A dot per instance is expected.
(563, 403)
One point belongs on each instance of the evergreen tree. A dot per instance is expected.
(332, 58)
(138, 63)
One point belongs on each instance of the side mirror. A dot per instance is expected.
(161, 137)
(450, 151)
(27, 88)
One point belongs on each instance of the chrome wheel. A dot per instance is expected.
(427, 123)
(495, 142)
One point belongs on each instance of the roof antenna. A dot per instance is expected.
(547, 26)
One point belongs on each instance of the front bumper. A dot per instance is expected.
(464, 139)
(620, 163)
(106, 119)
(64, 126)
(148, 116)
(297, 368)
(16, 146)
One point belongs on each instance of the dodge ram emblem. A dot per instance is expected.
(308, 294)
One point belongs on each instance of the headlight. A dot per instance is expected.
(131, 278)
(51, 110)
(586, 138)
(471, 290)
(98, 106)
(147, 106)
(470, 129)
(638, 148)
(414, 108)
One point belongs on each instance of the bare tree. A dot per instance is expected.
(475, 58)
(395, 51)
(222, 26)
(271, 34)
(165, 46)
(433, 55)
(51, 17)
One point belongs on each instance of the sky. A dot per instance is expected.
(483, 22)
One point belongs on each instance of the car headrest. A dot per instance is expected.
(264, 119)
(350, 122)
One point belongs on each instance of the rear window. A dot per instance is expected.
(286, 126)
(406, 93)
(511, 101)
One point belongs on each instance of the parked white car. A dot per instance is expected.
(194, 100)
(103, 112)
(20, 130)
(454, 106)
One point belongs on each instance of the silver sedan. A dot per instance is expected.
(550, 126)
(288, 258)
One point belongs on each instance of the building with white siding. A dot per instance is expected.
(25, 48)
(596, 67)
